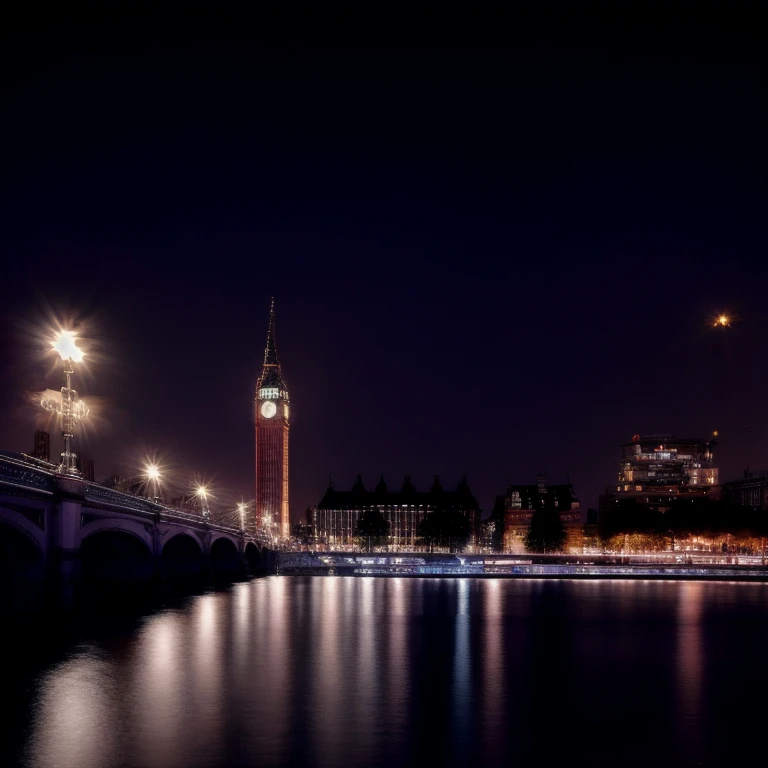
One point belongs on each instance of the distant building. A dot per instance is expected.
(512, 513)
(85, 465)
(301, 531)
(334, 519)
(750, 491)
(658, 469)
(42, 446)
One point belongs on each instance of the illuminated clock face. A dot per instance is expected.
(268, 409)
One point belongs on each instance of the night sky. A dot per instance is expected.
(487, 262)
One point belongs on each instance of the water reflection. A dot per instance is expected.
(462, 716)
(690, 663)
(351, 671)
(494, 671)
(158, 672)
(77, 721)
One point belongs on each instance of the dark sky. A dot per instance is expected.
(492, 262)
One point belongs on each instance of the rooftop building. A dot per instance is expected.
(658, 469)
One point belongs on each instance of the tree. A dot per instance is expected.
(445, 528)
(630, 517)
(372, 529)
(546, 532)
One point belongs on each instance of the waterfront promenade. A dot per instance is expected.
(660, 566)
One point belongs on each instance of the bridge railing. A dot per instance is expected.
(20, 471)
(23, 471)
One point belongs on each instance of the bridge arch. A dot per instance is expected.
(116, 555)
(118, 525)
(18, 522)
(260, 559)
(182, 556)
(22, 567)
(225, 557)
(168, 532)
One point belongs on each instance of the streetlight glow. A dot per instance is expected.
(202, 493)
(66, 345)
(152, 477)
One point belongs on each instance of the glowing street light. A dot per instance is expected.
(241, 509)
(152, 475)
(69, 408)
(202, 494)
(66, 345)
(722, 321)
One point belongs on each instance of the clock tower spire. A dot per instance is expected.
(272, 429)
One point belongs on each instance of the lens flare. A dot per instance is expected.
(66, 345)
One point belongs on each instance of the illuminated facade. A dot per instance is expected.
(335, 518)
(658, 469)
(750, 491)
(512, 513)
(272, 430)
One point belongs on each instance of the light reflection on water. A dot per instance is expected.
(350, 671)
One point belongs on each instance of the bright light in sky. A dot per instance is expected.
(152, 471)
(722, 321)
(66, 346)
(202, 491)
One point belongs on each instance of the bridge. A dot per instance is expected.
(59, 531)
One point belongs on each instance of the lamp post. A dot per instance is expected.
(202, 494)
(152, 475)
(69, 408)
(241, 511)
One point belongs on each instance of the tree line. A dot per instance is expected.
(685, 517)
(443, 529)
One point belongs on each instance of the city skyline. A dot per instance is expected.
(183, 477)
(487, 263)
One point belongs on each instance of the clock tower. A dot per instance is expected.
(272, 510)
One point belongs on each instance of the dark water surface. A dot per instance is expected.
(335, 671)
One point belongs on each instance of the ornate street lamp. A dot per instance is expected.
(152, 476)
(69, 408)
(202, 494)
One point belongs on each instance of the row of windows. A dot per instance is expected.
(272, 393)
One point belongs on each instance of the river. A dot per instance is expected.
(364, 671)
